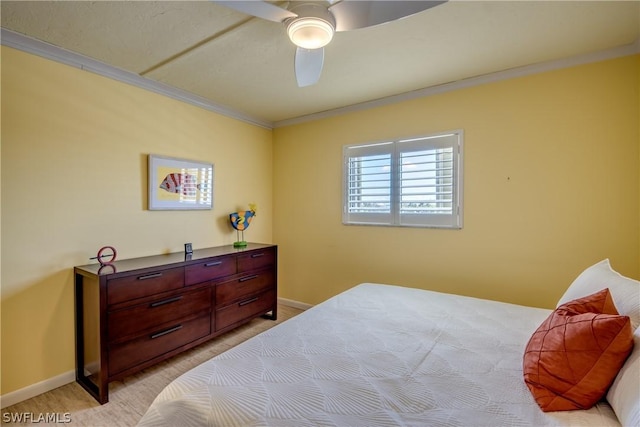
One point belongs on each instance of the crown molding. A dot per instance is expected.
(46, 50)
(630, 49)
(55, 53)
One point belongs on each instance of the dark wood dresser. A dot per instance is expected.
(137, 312)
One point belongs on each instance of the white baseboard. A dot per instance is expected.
(295, 304)
(35, 389)
(68, 377)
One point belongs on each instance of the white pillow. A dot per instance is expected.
(624, 291)
(624, 393)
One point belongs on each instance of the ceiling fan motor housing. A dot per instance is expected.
(313, 28)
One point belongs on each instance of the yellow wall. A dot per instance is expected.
(74, 178)
(551, 186)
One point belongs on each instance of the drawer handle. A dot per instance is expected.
(150, 276)
(257, 255)
(213, 264)
(166, 301)
(165, 332)
(249, 301)
(244, 279)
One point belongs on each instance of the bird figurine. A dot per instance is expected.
(240, 221)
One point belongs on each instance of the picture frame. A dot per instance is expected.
(180, 184)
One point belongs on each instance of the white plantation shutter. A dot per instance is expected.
(411, 182)
(368, 186)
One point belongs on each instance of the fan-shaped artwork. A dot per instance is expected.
(179, 184)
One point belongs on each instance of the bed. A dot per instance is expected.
(384, 355)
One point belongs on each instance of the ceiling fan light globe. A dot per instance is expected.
(310, 33)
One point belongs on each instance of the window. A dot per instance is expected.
(409, 182)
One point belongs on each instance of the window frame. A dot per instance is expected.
(453, 140)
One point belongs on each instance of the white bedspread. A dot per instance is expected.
(376, 355)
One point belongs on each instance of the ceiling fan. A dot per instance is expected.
(311, 25)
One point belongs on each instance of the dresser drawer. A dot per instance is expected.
(212, 269)
(126, 322)
(256, 259)
(142, 285)
(245, 309)
(243, 286)
(154, 344)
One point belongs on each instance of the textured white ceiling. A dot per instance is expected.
(246, 64)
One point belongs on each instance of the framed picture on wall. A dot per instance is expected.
(179, 184)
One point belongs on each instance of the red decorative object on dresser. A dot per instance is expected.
(145, 310)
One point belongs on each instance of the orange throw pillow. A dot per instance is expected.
(600, 303)
(574, 356)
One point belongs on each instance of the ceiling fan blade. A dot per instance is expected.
(351, 15)
(308, 66)
(259, 9)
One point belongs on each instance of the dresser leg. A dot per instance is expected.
(272, 316)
